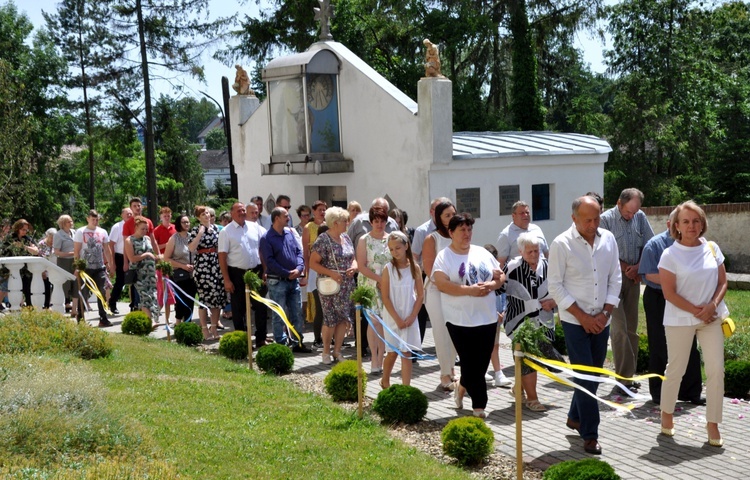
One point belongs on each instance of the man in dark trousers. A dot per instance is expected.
(653, 306)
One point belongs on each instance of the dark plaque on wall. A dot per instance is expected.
(509, 194)
(467, 200)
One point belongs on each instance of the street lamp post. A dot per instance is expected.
(227, 132)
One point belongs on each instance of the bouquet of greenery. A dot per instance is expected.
(252, 280)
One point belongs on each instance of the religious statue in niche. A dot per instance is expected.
(431, 60)
(241, 83)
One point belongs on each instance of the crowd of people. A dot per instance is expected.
(590, 275)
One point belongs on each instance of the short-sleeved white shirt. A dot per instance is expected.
(469, 269)
(507, 241)
(697, 273)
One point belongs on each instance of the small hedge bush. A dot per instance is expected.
(587, 469)
(467, 439)
(136, 323)
(234, 345)
(643, 354)
(736, 378)
(341, 382)
(559, 342)
(401, 403)
(737, 346)
(275, 358)
(45, 331)
(188, 333)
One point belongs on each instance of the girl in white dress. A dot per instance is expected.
(402, 292)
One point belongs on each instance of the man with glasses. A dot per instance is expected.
(631, 229)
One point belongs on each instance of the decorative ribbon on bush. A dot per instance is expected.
(276, 309)
(570, 370)
(397, 349)
(91, 285)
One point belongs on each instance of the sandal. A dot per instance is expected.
(513, 394)
(447, 386)
(458, 397)
(534, 406)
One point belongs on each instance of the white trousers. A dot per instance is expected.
(679, 342)
(446, 352)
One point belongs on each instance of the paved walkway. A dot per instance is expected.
(631, 442)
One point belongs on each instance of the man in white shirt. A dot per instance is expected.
(263, 220)
(507, 241)
(238, 252)
(584, 280)
(92, 244)
(116, 247)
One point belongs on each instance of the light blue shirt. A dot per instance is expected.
(652, 254)
(631, 235)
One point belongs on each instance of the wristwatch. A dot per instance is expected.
(607, 314)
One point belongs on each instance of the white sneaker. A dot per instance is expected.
(501, 380)
(489, 377)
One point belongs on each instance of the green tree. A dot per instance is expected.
(94, 54)
(216, 139)
(526, 103)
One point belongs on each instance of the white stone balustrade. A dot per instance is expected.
(36, 265)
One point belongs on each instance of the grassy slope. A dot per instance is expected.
(215, 419)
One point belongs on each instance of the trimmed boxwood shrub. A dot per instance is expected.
(234, 345)
(275, 358)
(643, 354)
(559, 342)
(736, 378)
(136, 323)
(188, 333)
(467, 439)
(341, 382)
(401, 403)
(587, 469)
(45, 331)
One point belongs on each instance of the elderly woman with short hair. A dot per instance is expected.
(333, 256)
(529, 300)
(467, 277)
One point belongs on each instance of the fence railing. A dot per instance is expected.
(36, 265)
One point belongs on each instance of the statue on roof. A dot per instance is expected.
(241, 83)
(432, 60)
(324, 14)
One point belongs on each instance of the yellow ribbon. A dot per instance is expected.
(276, 309)
(91, 284)
(585, 368)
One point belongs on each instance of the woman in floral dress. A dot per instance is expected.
(333, 256)
(141, 256)
(204, 241)
(372, 257)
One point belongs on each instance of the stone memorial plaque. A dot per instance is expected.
(509, 194)
(467, 200)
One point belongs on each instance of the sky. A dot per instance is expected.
(214, 70)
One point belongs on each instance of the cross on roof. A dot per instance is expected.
(324, 14)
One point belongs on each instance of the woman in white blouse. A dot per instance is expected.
(694, 282)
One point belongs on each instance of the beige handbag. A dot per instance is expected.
(327, 285)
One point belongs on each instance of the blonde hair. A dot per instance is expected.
(336, 214)
(63, 220)
(689, 205)
(400, 236)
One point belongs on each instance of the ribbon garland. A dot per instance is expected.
(570, 370)
(91, 285)
(398, 350)
(276, 308)
(173, 285)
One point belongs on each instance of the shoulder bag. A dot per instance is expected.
(326, 285)
(727, 324)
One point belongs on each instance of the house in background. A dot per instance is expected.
(332, 128)
(217, 122)
(215, 164)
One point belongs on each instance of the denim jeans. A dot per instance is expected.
(585, 349)
(287, 294)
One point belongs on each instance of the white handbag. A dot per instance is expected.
(327, 285)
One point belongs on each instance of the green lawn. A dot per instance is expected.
(174, 411)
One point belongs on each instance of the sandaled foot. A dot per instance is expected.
(458, 395)
(447, 386)
(480, 413)
(534, 406)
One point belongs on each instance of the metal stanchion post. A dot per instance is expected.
(518, 358)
